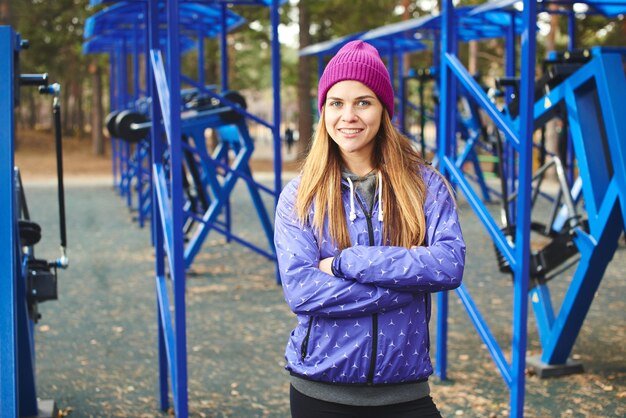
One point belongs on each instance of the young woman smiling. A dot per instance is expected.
(364, 235)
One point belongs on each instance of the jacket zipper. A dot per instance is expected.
(370, 233)
(305, 343)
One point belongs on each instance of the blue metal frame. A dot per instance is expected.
(9, 258)
(18, 394)
(168, 208)
(604, 192)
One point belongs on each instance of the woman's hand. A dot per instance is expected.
(325, 265)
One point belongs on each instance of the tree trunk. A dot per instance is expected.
(5, 12)
(80, 112)
(551, 135)
(472, 63)
(305, 121)
(65, 110)
(97, 139)
(211, 63)
(33, 109)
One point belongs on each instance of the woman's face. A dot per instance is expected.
(352, 117)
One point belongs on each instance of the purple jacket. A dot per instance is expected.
(371, 325)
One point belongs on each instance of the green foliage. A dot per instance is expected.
(54, 29)
(335, 18)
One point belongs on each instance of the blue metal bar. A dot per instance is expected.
(242, 241)
(544, 312)
(468, 153)
(485, 334)
(176, 192)
(481, 211)
(162, 350)
(25, 350)
(157, 150)
(169, 335)
(446, 131)
(8, 254)
(481, 97)
(522, 238)
(275, 19)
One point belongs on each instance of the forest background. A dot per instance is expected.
(54, 29)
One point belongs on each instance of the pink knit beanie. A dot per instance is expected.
(358, 61)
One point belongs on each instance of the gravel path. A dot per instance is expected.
(96, 345)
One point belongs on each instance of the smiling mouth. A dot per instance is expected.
(350, 131)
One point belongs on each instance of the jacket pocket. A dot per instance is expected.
(305, 342)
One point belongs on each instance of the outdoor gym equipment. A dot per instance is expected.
(133, 126)
(167, 158)
(29, 280)
(592, 96)
(120, 30)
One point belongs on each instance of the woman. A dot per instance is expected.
(363, 236)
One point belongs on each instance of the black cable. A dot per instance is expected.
(56, 111)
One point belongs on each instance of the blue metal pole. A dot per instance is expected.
(522, 239)
(275, 20)
(157, 150)
(8, 255)
(149, 90)
(446, 131)
(224, 77)
(177, 201)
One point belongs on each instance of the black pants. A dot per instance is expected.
(303, 406)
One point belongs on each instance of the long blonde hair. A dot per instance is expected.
(403, 191)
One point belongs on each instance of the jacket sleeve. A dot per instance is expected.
(436, 266)
(308, 290)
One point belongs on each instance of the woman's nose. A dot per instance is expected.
(348, 113)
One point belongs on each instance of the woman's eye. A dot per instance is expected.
(363, 103)
(334, 104)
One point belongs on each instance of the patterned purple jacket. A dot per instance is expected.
(371, 325)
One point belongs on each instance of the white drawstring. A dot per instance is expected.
(352, 212)
(380, 196)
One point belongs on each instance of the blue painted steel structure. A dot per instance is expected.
(120, 30)
(170, 208)
(26, 281)
(167, 214)
(9, 255)
(593, 115)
